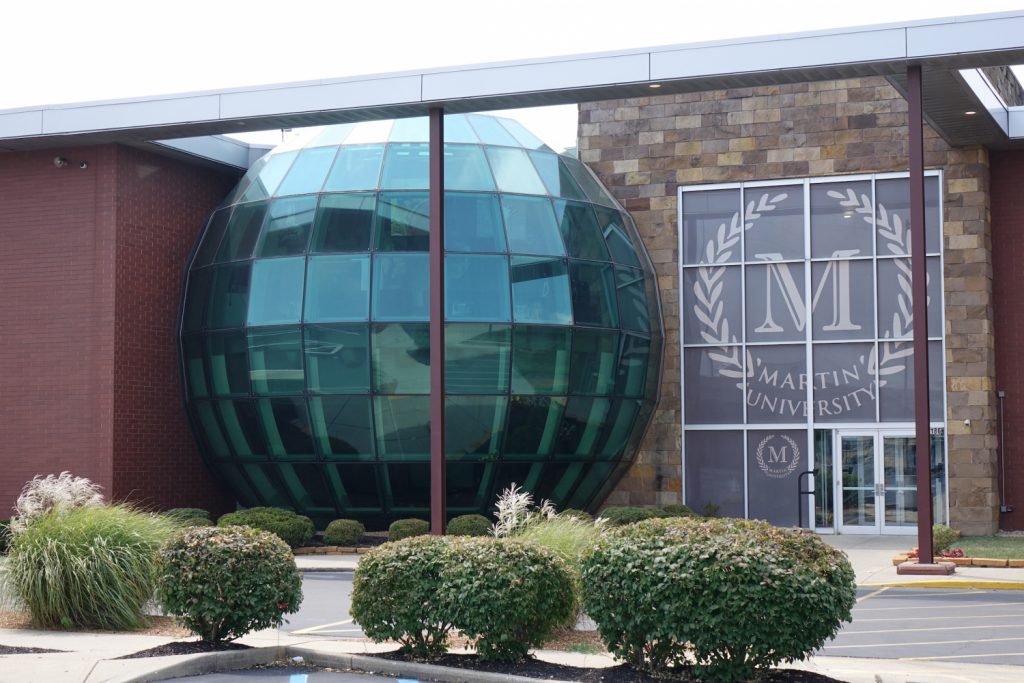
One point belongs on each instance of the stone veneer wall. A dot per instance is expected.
(644, 148)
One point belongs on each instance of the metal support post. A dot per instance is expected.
(438, 504)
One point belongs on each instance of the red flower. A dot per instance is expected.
(282, 605)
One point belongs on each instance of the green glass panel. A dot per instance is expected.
(308, 172)
(242, 231)
(540, 290)
(194, 352)
(594, 354)
(490, 131)
(588, 183)
(556, 176)
(402, 425)
(268, 486)
(211, 238)
(197, 297)
(337, 359)
(581, 426)
(513, 171)
(477, 359)
(332, 136)
(524, 137)
(474, 426)
(466, 486)
(466, 168)
(210, 431)
(631, 372)
(590, 484)
(532, 426)
(615, 230)
(405, 167)
(338, 288)
(580, 230)
(593, 294)
(246, 182)
(229, 364)
(457, 129)
(476, 288)
(242, 427)
(229, 296)
(415, 129)
(286, 230)
(275, 361)
(358, 485)
(403, 221)
(356, 168)
(540, 360)
(344, 222)
(275, 297)
(408, 489)
(286, 426)
(265, 184)
(343, 427)
(620, 422)
(531, 226)
(308, 487)
(472, 222)
(633, 314)
(401, 358)
(239, 485)
(401, 287)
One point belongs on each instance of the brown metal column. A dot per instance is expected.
(919, 275)
(438, 504)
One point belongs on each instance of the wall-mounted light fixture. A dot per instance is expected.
(60, 162)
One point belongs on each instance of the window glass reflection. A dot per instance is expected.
(264, 184)
(286, 230)
(401, 287)
(593, 294)
(593, 361)
(476, 288)
(580, 230)
(513, 171)
(477, 359)
(275, 296)
(557, 179)
(531, 226)
(403, 221)
(403, 427)
(532, 426)
(401, 359)
(472, 222)
(275, 362)
(356, 168)
(338, 359)
(242, 231)
(540, 359)
(614, 227)
(540, 290)
(211, 239)
(344, 222)
(474, 425)
(338, 288)
(343, 427)
(466, 168)
(308, 172)
(405, 167)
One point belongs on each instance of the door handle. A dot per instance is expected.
(880, 489)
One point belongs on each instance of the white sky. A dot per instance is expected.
(57, 51)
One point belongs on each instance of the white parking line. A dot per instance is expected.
(993, 654)
(959, 617)
(922, 630)
(955, 607)
(314, 629)
(925, 642)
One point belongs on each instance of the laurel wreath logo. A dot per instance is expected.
(708, 288)
(775, 473)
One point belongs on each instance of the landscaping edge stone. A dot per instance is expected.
(211, 662)
(899, 559)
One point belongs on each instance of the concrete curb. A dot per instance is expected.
(950, 583)
(325, 570)
(211, 662)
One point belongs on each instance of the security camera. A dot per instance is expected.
(60, 162)
(83, 165)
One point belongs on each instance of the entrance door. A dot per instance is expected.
(876, 482)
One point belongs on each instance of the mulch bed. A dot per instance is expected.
(623, 673)
(185, 647)
(11, 650)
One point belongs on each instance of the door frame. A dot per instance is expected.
(878, 436)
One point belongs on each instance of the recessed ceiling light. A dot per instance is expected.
(970, 113)
(654, 85)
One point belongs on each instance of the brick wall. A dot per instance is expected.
(1008, 266)
(644, 148)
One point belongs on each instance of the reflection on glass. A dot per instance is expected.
(588, 183)
(582, 421)
(900, 477)
(531, 226)
(338, 288)
(614, 226)
(490, 130)
(593, 361)
(401, 287)
(777, 232)
(593, 294)
(415, 129)
(356, 168)
(275, 296)
(193, 351)
(403, 221)
(308, 172)
(540, 290)
(343, 427)
(474, 425)
(229, 364)
(580, 230)
(344, 222)
(211, 239)
(472, 222)
(823, 482)
(229, 296)
(513, 171)
(465, 168)
(242, 231)
(401, 359)
(242, 427)
(337, 359)
(286, 426)
(405, 167)
(556, 176)
(403, 427)
(532, 426)
(857, 454)
(540, 361)
(270, 175)
(706, 215)
(275, 361)
(477, 359)
(629, 283)
(476, 288)
(286, 229)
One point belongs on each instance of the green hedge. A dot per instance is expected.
(505, 596)
(469, 525)
(943, 537)
(621, 516)
(676, 511)
(406, 528)
(295, 530)
(222, 583)
(189, 516)
(738, 596)
(344, 532)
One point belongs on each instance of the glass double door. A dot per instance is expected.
(876, 482)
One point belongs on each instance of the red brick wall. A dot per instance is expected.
(1007, 185)
(91, 266)
(56, 317)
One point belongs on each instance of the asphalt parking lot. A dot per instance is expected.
(955, 625)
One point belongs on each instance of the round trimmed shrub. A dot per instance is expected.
(344, 532)
(189, 516)
(86, 567)
(676, 511)
(406, 528)
(395, 595)
(469, 525)
(663, 588)
(295, 530)
(222, 583)
(943, 537)
(621, 516)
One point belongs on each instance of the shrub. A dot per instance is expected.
(222, 583)
(293, 529)
(189, 516)
(721, 569)
(5, 534)
(709, 510)
(505, 596)
(405, 528)
(568, 537)
(620, 516)
(943, 537)
(344, 532)
(469, 525)
(676, 511)
(86, 567)
(577, 514)
(43, 494)
(395, 595)
(515, 511)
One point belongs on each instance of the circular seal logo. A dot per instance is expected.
(778, 456)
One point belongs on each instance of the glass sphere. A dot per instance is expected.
(305, 325)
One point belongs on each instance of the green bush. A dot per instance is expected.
(295, 530)
(676, 511)
(86, 567)
(222, 583)
(344, 532)
(621, 516)
(405, 528)
(189, 516)
(568, 537)
(395, 595)
(943, 537)
(578, 514)
(737, 595)
(5, 534)
(709, 510)
(469, 525)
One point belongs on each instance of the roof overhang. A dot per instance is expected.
(943, 47)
